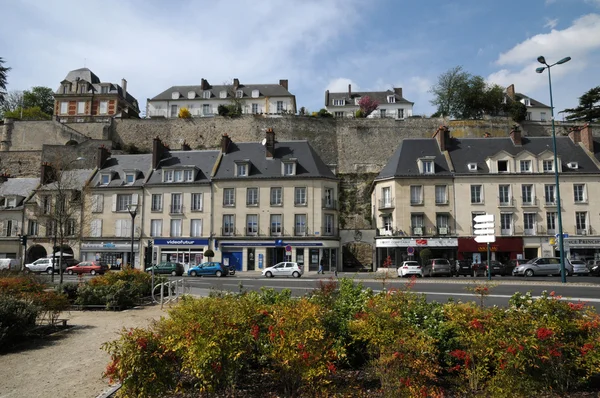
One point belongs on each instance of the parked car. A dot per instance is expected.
(175, 269)
(410, 268)
(580, 267)
(8, 264)
(209, 268)
(285, 268)
(45, 265)
(463, 267)
(510, 265)
(497, 268)
(543, 266)
(437, 266)
(595, 268)
(592, 263)
(84, 267)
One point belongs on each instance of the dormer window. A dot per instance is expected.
(223, 94)
(426, 165)
(104, 179)
(168, 176)
(178, 175)
(391, 99)
(66, 88)
(548, 166)
(472, 166)
(11, 203)
(2, 202)
(188, 175)
(525, 166)
(356, 100)
(526, 101)
(255, 93)
(502, 166)
(104, 89)
(175, 95)
(206, 95)
(289, 168)
(339, 102)
(129, 178)
(191, 94)
(239, 94)
(241, 169)
(82, 88)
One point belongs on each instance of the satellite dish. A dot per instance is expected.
(264, 141)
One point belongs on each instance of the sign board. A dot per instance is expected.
(484, 232)
(485, 239)
(484, 228)
(483, 218)
(410, 250)
(565, 236)
(288, 248)
(260, 260)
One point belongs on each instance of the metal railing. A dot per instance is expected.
(386, 203)
(176, 209)
(503, 202)
(169, 291)
(330, 204)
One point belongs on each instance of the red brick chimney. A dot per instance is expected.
(270, 143)
(225, 142)
(398, 91)
(575, 134)
(4, 177)
(510, 91)
(101, 156)
(442, 135)
(515, 135)
(587, 138)
(283, 83)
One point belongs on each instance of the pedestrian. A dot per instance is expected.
(321, 264)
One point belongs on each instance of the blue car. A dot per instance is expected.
(209, 268)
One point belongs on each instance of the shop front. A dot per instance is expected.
(578, 248)
(9, 249)
(504, 249)
(187, 251)
(114, 254)
(406, 249)
(255, 256)
(536, 246)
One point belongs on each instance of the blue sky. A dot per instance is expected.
(315, 44)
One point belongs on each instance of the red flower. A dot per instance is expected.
(554, 352)
(331, 367)
(459, 354)
(405, 381)
(142, 342)
(475, 324)
(576, 307)
(397, 355)
(552, 293)
(255, 331)
(454, 368)
(305, 355)
(300, 346)
(543, 333)
(511, 350)
(586, 348)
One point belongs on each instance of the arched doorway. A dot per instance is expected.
(35, 252)
(66, 249)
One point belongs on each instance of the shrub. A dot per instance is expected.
(324, 113)
(184, 113)
(17, 317)
(116, 290)
(359, 114)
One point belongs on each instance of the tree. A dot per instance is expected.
(34, 113)
(367, 105)
(516, 110)
(41, 97)
(12, 100)
(3, 73)
(446, 90)
(588, 109)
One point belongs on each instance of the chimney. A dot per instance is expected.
(204, 85)
(236, 83)
(587, 138)
(326, 98)
(101, 156)
(515, 135)
(185, 146)
(575, 134)
(225, 142)
(510, 91)
(157, 152)
(398, 91)
(442, 136)
(283, 83)
(270, 143)
(349, 90)
(4, 177)
(46, 173)
(124, 87)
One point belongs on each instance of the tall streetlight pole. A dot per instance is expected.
(132, 209)
(561, 247)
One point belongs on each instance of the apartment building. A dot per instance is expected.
(536, 111)
(204, 100)
(83, 97)
(391, 103)
(275, 201)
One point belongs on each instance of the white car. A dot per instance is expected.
(410, 268)
(45, 265)
(285, 268)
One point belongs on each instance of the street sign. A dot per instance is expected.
(288, 248)
(410, 250)
(483, 218)
(485, 239)
(484, 232)
(485, 225)
(565, 236)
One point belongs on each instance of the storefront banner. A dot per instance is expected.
(426, 242)
(581, 242)
(181, 242)
(270, 244)
(108, 246)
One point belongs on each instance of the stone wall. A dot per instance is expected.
(88, 150)
(21, 163)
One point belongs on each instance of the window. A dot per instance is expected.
(442, 220)
(525, 166)
(242, 169)
(97, 203)
(229, 197)
(176, 227)
(252, 224)
(66, 88)
(502, 166)
(96, 228)
(579, 193)
(176, 203)
(338, 114)
(328, 198)
(46, 204)
(581, 222)
(123, 228)
(339, 102)
(417, 223)
(174, 111)
(255, 93)
(223, 94)
(50, 228)
(528, 116)
(382, 113)
(32, 228)
(10, 227)
(548, 166)
(103, 107)
(156, 204)
(300, 224)
(228, 224)
(386, 195)
(255, 108)
(504, 195)
(155, 228)
(543, 116)
(276, 196)
(129, 178)
(527, 194)
(104, 179)
(300, 196)
(276, 224)
(196, 202)
(289, 169)
(104, 89)
(529, 223)
(123, 202)
(391, 99)
(387, 222)
(506, 223)
(239, 93)
(83, 88)
(441, 196)
(206, 109)
(551, 222)
(416, 195)
(550, 194)
(206, 94)
(70, 228)
(81, 107)
(168, 176)
(476, 194)
(252, 196)
(428, 167)
(178, 175)
(188, 175)
(64, 107)
(196, 228)
(400, 113)
(328, 227)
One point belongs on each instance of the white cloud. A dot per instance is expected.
(593, 2)
(340, 85)
(551, 23)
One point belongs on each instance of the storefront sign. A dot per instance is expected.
(484, 248)
(582, 242)
(411, 242)
(108, 246)
(269, 244)
(180, 242)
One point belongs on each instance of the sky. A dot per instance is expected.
(315, 44)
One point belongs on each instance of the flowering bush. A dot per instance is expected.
(116, 290)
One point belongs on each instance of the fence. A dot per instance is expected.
(169, 291)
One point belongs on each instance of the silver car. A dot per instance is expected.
(543, 266)
(580, 267)
(437, 266)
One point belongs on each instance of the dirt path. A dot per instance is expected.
(70, 364)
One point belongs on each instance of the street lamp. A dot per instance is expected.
(132, 209)
(541, 69)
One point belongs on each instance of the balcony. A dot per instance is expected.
(301, 231)
(441, 201)
(387, 203)
(418, 231)
(582, 230)
(176, 209)
(330, 204)
(253, 231)
(443, 231)
(276, 231)
(505, 202)
(533, 202)
(229, 231)
(549, 202)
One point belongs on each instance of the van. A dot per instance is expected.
(9, 264)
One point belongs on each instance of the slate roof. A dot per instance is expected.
(477, 150)
(118, 164)
(203, 160)
(309, 164)
(265, 90)
(534, 103)
(83, 74)
(380, 96)
(72, 179)
(403, 162)
(18, 186)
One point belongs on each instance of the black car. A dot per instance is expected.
(463, 267)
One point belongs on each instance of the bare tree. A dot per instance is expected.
(12, 101)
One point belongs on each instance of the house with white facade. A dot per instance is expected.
(205, 99)
(536, 111)
(391, 103)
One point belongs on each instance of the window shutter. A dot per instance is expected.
(3, 228)
(118, 227)
(114, 202)
(100, 203)
(134, 198)
(126, 229)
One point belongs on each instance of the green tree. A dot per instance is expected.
(34, 113)
(588, 109)
(446, 90)
(41, 97)
(3, 73)
(516, 110)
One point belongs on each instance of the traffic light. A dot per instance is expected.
(23, 239)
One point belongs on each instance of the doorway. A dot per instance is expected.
(233, 259)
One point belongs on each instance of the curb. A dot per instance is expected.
(111, 391)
